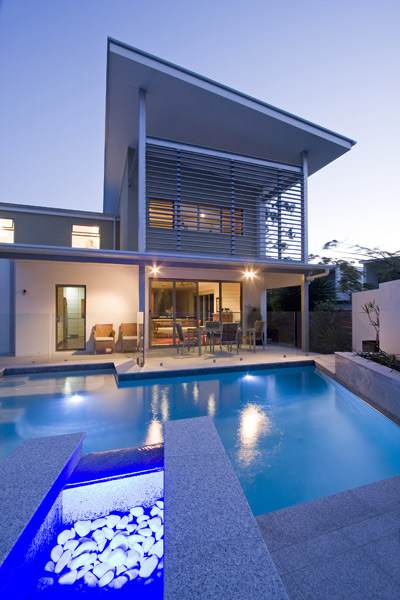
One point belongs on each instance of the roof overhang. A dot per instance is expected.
(118, 257)
(189, 108)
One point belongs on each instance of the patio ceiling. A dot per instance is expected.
(189, 108)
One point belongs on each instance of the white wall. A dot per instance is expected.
(111, 297)
(389, 303)
(362, 328)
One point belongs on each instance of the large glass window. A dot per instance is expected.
(6, 231)
(70, 317)
(85, 236)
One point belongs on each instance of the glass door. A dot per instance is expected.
(70, 317)
(186, 305)
(161, 313)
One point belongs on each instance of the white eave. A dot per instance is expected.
(118, 257)
(192, 109)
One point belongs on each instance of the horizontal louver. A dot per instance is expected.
(201, 204)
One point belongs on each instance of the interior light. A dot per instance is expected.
(202, 215)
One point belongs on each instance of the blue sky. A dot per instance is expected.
(334, 63)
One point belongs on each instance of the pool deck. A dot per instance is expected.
(339, 547)
(167, 360)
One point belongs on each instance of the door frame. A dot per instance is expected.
(69, 285)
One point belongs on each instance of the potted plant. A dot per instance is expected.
(371, 309)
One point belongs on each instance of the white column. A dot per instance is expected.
(305, 320)
(304, 246)
(142, 171)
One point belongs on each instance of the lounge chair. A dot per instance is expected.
(104, 337)
(129, 337)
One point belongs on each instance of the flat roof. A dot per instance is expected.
(189, 108)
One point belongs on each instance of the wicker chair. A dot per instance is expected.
(129, 337)
(259, 333)
(104, 337)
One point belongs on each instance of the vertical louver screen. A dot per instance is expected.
(205, 204)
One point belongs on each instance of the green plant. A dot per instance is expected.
(371, 309)
(253, 315)
(382, 358)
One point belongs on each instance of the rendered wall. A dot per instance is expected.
(388, 299)
(111, 297)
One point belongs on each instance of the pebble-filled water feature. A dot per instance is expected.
(108, 553)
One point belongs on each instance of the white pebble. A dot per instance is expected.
(90, 579)
(154, 511)
(117, 557)
(71, 545)
(160, 533)
(147, 566)
(49, 566)
(80, 561)
(122, 523)
(132, 558)
(142, 518)
(105, 554)
(146, 532)
(102, 545)
(101, 569)
(135, 538)
(82, 528)
(82, 572)
(108, 532)
(63, 561)
(160, 504)
(147, 544)
(105, 580)
(119, 541)
(130, 528)
(85, 547)
(120, 569)
(99, 535)
(155, 524)
(138, 548)
(160, 564)
(68, 579)
(158, 549)
(119, 582)
(132, 574)
(112, 520)
(99, 523)
(137, 511)
(56, 553)
(65, 535)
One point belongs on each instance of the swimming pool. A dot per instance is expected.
(292, 434)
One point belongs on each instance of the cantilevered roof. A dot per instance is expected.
(189, 108)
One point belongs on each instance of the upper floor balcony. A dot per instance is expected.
(201, 201)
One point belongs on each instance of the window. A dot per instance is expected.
(6, 231)
(85, 236)
(195, 217)
(161, 213)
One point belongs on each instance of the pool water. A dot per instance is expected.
(292, 435)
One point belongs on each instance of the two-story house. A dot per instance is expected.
(205, 209)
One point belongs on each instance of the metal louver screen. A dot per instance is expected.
(205, 204)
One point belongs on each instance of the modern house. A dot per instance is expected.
(205, 209)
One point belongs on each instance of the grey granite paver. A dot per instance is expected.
(373, 529)
(351, 575)
(213, 547)
(31, 479)
(386, 553)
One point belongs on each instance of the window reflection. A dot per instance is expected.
(211, 406)
(253, 425)
(154, 433)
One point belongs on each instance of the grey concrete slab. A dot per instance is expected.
(303, 554)
(31, 479)
(350, 575)
(385, 552)
(213, 547)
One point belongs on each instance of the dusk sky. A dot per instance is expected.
(333, 63)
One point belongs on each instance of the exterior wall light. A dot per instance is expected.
(154, 270)
(249, 274)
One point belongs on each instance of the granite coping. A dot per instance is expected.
(213, 547)
(31, 479)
